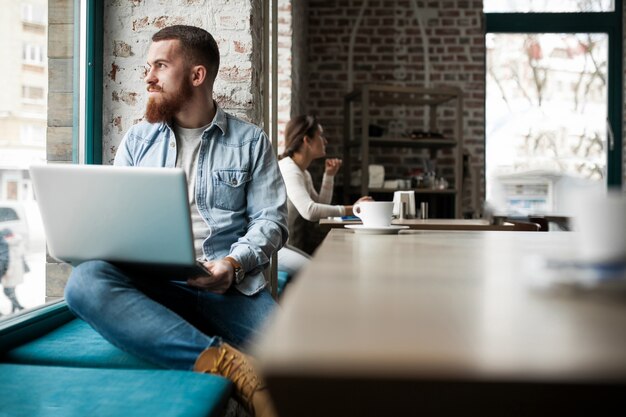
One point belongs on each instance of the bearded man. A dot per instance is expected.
(238, 206)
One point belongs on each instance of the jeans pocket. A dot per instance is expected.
(230, 188)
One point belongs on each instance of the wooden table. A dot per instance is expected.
(430, 224)
(433, 323)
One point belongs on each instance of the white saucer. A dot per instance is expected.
(383, 230)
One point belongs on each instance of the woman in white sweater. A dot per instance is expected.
(305, 142)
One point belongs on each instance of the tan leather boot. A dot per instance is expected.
(250, 390)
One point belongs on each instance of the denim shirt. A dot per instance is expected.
(240, 193)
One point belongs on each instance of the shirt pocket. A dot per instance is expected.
(230, 188)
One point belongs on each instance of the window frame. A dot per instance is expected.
(88, 81)
(584, 22)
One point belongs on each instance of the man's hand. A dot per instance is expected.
(220, 280)
(332, 166)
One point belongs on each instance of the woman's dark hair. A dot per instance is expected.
(295, 131)
(197, 45)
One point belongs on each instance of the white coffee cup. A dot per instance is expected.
(600, 220)
(374, 213)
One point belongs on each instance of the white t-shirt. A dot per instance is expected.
(188, 142)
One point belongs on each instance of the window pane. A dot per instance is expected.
(547, 6)
(23, 123)
(546, 119)
(34, 13)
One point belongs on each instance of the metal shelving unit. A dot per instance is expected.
(372, 97)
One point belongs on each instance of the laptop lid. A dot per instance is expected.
(130, 215)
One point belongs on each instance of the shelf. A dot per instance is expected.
(389, 94)
(406, 143)
(417, 190)
(358, 143)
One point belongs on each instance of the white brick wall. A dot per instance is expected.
(129, 25)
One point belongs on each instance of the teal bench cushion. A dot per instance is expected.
(283, 278)
(74, 344)
(50, 391)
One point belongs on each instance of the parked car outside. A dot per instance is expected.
(13, 217)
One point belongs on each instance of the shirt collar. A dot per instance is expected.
(220, 120)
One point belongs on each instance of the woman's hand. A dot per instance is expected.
(332, 166)
(364, 198)
(220, 280)
(349, 209)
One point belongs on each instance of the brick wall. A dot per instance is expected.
(129, 25)
(60, 111)
(388, 49)
(60, 81)
(624, 97)
(299, 52)
(284, 68)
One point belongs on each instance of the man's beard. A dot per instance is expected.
(165, 109)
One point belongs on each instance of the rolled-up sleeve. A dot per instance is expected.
(266, 210)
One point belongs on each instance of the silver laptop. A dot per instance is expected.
(132, 216)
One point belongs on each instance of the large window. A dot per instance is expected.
(553, 103)
(71, 135)
(547, 6)
(23, 119)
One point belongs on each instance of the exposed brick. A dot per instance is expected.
(390, 44)
(235, 74)
(140, 23)
(163, 21)
(117, 122)
(113, 73)
(242, 47)
(122, 49)
(128, 97)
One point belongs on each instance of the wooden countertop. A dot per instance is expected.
(438, 306)
(431, 224)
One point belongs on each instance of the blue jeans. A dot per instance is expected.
(292, 260)
(164, 322)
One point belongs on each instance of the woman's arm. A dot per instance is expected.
(303, 196)
(326, 190)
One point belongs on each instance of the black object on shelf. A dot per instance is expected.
(420, 134)
(376, 131)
